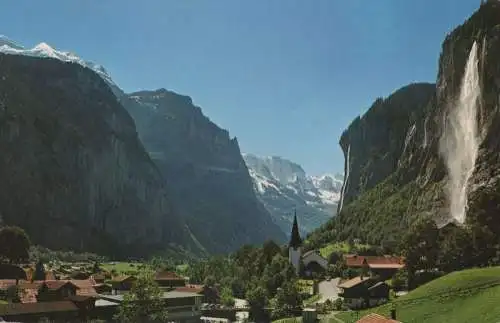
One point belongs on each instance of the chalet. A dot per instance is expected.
(383, 266)
(98, 278)
(362, 292)
(55, 290)
(210, 294)
(103, 288)
(33, 292)
(169, 279)
(182, 307)
(122, 283)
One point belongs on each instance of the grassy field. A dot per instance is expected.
(121, 267)
(464, 296)
(341, 247)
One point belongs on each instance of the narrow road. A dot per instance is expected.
(328, 290)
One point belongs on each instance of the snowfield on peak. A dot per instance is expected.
(283, 186)
(8, 46)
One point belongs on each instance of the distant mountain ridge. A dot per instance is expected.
(206, 179)
(283, 186)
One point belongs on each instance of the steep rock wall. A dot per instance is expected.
(73, 172)
(207, 176)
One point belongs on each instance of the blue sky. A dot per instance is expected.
(285, 77)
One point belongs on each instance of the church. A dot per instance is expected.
(311, 261)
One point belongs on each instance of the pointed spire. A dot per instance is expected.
(295, 240)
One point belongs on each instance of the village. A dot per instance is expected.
(93, 292)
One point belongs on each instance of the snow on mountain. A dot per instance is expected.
(283, 186)
(8, 46)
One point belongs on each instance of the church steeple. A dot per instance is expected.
(295, 239)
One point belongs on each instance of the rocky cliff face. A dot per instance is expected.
(208, 178)
(284, 187)
(396, 176)
(73, 171)
(374, 143)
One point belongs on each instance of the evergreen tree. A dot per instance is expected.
(14, 244)
(39, 273)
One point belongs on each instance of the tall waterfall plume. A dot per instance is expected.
(460, 142)
(346, 178)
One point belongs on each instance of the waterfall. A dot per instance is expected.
(346, 178)
(459, 144)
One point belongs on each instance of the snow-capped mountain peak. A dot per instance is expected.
(7, 46)
(284, 186)
(5, 41)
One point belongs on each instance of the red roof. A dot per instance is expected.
(6, 283)
(56, 284)
(374, 261)
(29, 290)
(375, 318)
(167, 275)
(190, 289)
(85, 287)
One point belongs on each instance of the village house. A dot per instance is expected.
(210, 294)
(182, 307)
(39, 291)
(98, 278)
(383, 266)
(54, 290)
(168, 279)
(122, 284)
(360, 292)
(57, 300)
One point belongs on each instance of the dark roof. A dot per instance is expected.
(33, 308)
(354, 282)
(98, 277)
(167, 275)
(377, 285)
(80, 298)
(57, 284)
(119, 279)
(295, 239)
